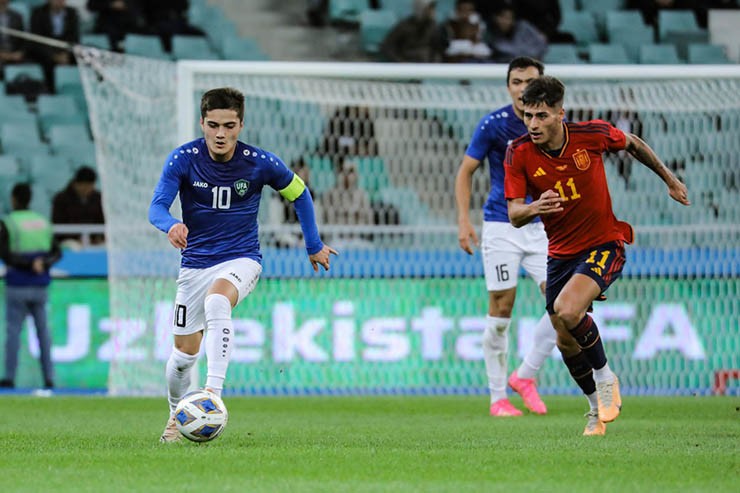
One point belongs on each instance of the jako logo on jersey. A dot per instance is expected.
(200, 184)
(540, 172)
(582, 159)
(241, 187)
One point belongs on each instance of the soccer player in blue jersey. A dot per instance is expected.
(220, 180)
(504, 248)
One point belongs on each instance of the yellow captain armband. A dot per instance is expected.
(294, 189)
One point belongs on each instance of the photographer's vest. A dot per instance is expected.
(29, 234)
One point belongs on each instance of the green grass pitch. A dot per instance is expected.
(370, 444)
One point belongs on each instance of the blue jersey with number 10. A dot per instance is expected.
(219, 201)
(491, 138)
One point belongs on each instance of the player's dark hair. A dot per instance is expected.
(545, 89)
(222, 98)
(524, 62)
(21, 194)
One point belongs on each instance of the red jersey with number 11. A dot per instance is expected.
(577, 174)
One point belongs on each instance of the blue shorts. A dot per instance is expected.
(603, 264)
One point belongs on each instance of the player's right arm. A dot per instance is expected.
(463, 186)
(515, 189)
(164, 195)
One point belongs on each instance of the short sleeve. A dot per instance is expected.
(481, 140)
(515, 180)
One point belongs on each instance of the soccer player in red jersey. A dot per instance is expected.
(561, 163)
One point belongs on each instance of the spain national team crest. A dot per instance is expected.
(241, 187)
(582, 160)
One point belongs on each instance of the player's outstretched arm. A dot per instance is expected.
(639, 149)
(521, 213)
(322, 258)
(466, 234)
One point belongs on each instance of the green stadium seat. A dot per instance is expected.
(616, 19)
(374, 25)
(632, 38)
(707, 54)
(566, 5)
(659, 54)
(58, 109)
(66, 76)
(65, 138)
(445, 9)
(599, 9)
(581, 25)
(48, 173)
(24, 9)
(348, 11)
(676, 21)
(600, 53)
(192, 48)
(562, 53)
(18, 137)
(144, 45)
(323, 176)
(96, 40)
(12, 103)
(32, 70)
(235, 48)
(373, 175)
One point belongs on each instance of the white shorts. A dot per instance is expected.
(505, 248)
(193, 286)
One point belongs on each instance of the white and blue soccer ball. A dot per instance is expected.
(201, 416)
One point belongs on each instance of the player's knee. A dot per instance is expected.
(501, 303)
(567, 312)
(217, 307)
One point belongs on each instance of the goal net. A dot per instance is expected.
(402, 309)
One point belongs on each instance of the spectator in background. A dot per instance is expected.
(462, 35)
(415, 38)
(79, 203)
(650, 8)
(167, 18)
(54, 20)
(349, 132)
(510, 37)
(29, 250)
(545, 16)
(346, 203)
(116, 18)
(11, 47)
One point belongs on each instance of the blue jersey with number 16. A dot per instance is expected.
(219, 201)
(492, 136)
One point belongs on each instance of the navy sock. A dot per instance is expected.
(581, 371)
(586, 334)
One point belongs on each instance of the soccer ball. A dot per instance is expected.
(201, 416)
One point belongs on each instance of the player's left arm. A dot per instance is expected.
(639, 149)
(296, 192)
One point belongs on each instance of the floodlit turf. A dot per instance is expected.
(364, 444)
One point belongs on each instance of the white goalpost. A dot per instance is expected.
(401, 311)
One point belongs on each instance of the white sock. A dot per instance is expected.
(603, 374)
(593, 401)
(219, 340)
(177, 373)
(544, 341)
(495, 353)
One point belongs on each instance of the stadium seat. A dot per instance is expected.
(192, 48)
(659, 54)
(348, 11)
(65, 138)
(66, 76)
(144, 45)
(373, 175)
(599, 9)
(632, 38)
(706, 53)
(242, 49)
(581, 25)
(616, 19)
(32, 70)
(18, 137)
(49, 173)
(608, 54)
(445, 8)
(673, 21)
(24, 9)
(374, 25)
(96, 40)
(58, 109)
(566, 5)
(562, 53)
(12, 103)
